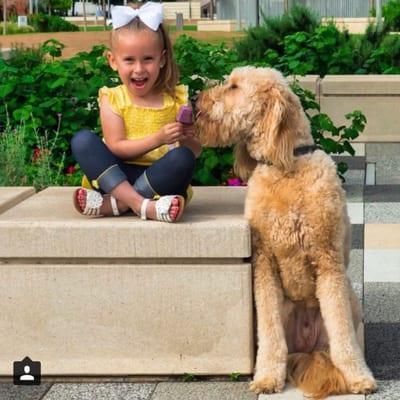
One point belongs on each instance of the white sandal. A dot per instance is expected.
(94, 201)
(163, 205)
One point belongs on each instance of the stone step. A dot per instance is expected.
(213, 226)
(11, 196)
(121, 296)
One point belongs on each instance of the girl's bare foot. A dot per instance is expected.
(105, 209)
(172, 212)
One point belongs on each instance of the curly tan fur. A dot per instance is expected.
(300, 228)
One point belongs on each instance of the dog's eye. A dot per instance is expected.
(233, 86)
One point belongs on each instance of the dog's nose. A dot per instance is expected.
(193, 102)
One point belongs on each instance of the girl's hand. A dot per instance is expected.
(188, 130)
(171, 133)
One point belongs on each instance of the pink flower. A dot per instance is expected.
(36, 154)
(70, 170)
(234, 182)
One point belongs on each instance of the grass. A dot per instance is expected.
(95, 28)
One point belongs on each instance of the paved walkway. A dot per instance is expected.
(375, 215)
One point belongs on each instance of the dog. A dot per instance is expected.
(307, 312)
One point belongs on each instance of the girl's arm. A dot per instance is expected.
(127, 149)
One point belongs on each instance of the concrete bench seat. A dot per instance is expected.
(121, 296)
(10, 196)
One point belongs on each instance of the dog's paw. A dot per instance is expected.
(364, 385)
(267, 385)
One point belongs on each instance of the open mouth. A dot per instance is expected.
(139, 83)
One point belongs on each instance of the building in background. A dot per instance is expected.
(248, 12)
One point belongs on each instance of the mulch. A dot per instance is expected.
(84, 41)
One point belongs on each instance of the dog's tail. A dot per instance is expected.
(316, 375)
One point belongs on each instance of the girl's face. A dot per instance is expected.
(138, 57)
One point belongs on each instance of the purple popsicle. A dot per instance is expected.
(185, 115)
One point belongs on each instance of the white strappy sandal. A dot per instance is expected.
(94, 201)
(163, 205)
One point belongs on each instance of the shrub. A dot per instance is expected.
(322, 51)
(20, 165)
(270, 35)
(200, 61)
(391, 13)
(54, 96)
(12, 28)
(50, 23)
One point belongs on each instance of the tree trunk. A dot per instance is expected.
(4, 16)
(104, 14)
(84, 15)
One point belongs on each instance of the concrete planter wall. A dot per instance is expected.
(377, 96)
(121, 296)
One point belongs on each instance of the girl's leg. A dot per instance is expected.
(171, 174)
(100, 164)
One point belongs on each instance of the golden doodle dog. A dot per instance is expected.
(307, 312)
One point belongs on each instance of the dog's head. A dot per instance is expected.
(256, 110)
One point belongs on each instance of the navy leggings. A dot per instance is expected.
(171, 174)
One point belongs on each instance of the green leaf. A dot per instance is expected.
(57, 83)
(6, 90)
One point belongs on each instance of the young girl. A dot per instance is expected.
(145, 154)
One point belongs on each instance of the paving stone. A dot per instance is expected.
(356, 162)
(9, 391)
(100, 391)
(355, 272)
(377, 151)
(381, 193)
(387, 390)
(382, 344)
(357, 236)
(354, 192)
(382, 265)
(382, 236)
(291, 393)
(387, 171)
(354, 177)
(381, 302)
(356, 212)
(383, 213)
(203, 391)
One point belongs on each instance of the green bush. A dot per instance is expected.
(320, 51)
(215, 165)
(12, 28)
(330, 51)
(53, 96)
(391, 13)
(50, 23)
(200, 62)
(270, 35)
(22, 165)
(52, 99)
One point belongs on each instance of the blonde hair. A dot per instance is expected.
(168, 76)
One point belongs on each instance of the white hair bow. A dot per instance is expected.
(151, 14)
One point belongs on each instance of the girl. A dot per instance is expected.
(145, 153)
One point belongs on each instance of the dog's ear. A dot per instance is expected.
(279, 126)
(244, 164)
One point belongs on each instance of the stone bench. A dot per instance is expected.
(120, 296)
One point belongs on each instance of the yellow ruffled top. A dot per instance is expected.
(144, 121)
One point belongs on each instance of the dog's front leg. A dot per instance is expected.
(270, 369)
(334, 297)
